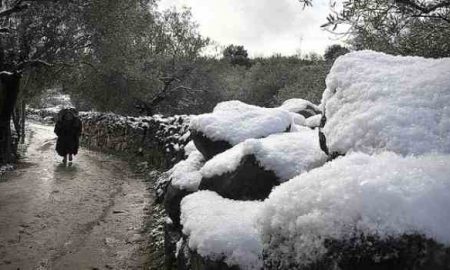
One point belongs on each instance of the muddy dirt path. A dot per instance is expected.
(87, 216)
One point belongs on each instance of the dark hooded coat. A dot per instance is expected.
(68, 132)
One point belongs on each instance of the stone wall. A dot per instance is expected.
(159, 140)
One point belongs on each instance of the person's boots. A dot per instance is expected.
(70, 157)
(65, 160)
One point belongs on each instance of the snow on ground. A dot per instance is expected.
(376, 102)
(219, 227)
(384, 195)
(235, 121)
(286, 154)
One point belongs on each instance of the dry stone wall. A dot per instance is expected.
(158, 139)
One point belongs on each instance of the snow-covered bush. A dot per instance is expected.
(383, 195)
(376, 102)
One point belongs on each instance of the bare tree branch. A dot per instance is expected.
(32, 63)
(5, 74)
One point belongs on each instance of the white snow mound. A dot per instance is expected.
(221, 228)
(298, 119)
(286, 154)
(189, 148)
(313, 121)
(376, 102)
(297, 104)
(185, 174)
(235, 121)
(385, 195)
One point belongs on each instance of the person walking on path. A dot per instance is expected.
(68, 129)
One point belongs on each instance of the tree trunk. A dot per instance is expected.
(9, 86)
(22, 122)
(16, 121)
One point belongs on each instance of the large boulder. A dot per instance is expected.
(233, 122)
(251, 169)
(377, 101)
(248, 181)
(409, 251)
(382, 211)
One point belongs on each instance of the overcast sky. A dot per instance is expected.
(264, 27)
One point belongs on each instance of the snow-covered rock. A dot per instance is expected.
(223, 230)
(313, 121)
(301, 106)
(186, 173)
(251, 169)
(298, 119)
(189, 148)
(376, 102)
(184, 178)
(385, 196)
(286, 154)
(233, 122)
